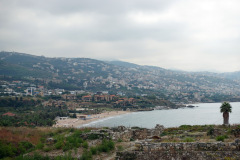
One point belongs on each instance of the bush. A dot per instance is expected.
(86, 155)
(163, 133)
(34, 157)
(210, 131)
(47, 149)
(66, 147)
(78, 142)
(24, 146)
(71, 139)
(72, 130)
(106, 146)
(59, 145)
(120, 148)
(185, 127)
(85, 144)
(40, 145)
(188, 139)
(221, 138)
(7, 150)
(93, 150)
(93, 136)
(77, 133)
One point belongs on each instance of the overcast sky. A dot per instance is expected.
(189, 35)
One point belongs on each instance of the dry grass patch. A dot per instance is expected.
(19, 134)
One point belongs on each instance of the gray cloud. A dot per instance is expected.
(187, 35)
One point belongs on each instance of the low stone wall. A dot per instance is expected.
(127, 134)
(175, 151)
(180, 155)
(193, 146)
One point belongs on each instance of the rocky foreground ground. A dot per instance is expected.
(184, 142)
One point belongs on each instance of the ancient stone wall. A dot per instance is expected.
(179, 155)
(148, 150)
(127, 134)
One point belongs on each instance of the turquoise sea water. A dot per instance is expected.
(205, 113)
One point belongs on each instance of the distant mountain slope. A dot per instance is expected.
(123, 64)
(232, 75)
(118, 77)
(21, 65)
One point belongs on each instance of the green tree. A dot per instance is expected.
(74, 115)
(225, 109)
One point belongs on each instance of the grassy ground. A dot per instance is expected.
(63, 143)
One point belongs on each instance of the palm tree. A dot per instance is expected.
(225, 109)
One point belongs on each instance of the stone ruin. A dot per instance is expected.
(135, 133)
(182, 151)
(126, 134)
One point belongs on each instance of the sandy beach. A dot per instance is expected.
(76, 122)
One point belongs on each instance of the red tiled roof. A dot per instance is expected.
(86, 96)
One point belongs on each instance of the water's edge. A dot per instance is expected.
(205, 113)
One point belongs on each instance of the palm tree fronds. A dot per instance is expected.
(225, 107)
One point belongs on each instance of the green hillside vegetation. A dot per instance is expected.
(16, 70)
(127, 78)
(28, 112)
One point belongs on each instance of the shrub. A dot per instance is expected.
(59, 145)
(85, 144)
(75, 150)
(34, 157)
(86, 130)
(51, 134)
(80, 140)
(72, 130)
(210, 131)
(185, 127)
(221, 138)
(59, 131)
(86, 155)
(120, 148)
(47, 149)
(188, 139)
(77, 133)
(106, 146)
(40, 145)
(26, 145)
(163, 133)
(93, 150)
(120, 140)
(66, 147)
(71, 139)
(93, 136)
(7, 150)
(42, 139)
(74, 141)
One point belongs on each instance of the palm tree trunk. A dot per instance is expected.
(225, 118)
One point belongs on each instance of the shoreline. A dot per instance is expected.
(77, 122)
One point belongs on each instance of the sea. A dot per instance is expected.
(204, 113)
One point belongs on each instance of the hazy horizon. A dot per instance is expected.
(176, 34)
